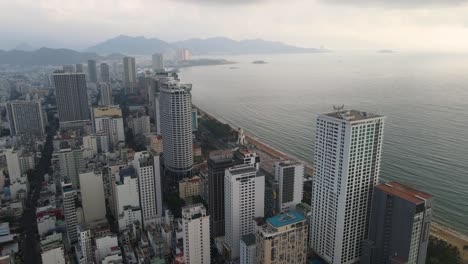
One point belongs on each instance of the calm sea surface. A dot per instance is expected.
(423, 96)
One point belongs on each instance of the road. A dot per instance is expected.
(30, 240)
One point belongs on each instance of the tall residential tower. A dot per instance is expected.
(348, 147)
(176, 124)
(130, 80)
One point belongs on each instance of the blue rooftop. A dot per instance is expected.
(286, 219)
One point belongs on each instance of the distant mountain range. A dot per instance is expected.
(115, 47)
(47, 56)
(218, 45)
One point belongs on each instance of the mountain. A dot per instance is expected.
(24, 47)
(218, 45)
(131, 45)
(47, 56)
(226, 45)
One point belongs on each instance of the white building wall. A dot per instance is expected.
(247, 253)
(346, 168)
(13, 164)
(244, 192)
(45, 223)
(92, 195)
(143, 163)
(104, 247)
(283, 176)
(196, 228)
(127, 194)
(53, 256)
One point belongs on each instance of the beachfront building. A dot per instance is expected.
(218, 162)
(282, 239)
(399, 226)
(290, 176)
(196, 234)
(176, 127)
(348, 147)
(244, 193)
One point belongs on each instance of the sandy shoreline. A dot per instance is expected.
(442, 232)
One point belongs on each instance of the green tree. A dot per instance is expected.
(441, 252)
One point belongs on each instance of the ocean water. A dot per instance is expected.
(423, 96)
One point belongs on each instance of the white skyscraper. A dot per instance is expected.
(69, 211)
(196, 228)
(92, 196)
(106, 93)
(176, 126)
(158, 62)
(244, 193)
(290, 176)
(144, 166)
(348, 146)
(130, 80)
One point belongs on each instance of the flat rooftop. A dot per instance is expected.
(404, 192)
(249, 239)
(352, 115)
(241, 169)
(286, 219)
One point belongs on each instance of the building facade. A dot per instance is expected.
(92, 196)
(348, 146)
(244, 193)
(69, 211)
(106, 93)
(158, 62)
(105, 73)
(282, 239)
(130, 79)
(399, 227)
(196, 234)
(144, 166)
(72, 97)
(176, 127)
(92, 71)
(290, 177)
(25, 117)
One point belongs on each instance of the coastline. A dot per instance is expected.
(442, 232)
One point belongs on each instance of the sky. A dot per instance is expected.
(414, 25)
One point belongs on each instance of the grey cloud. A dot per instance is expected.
(397, 3)
(223, 2)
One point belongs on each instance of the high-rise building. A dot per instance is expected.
(248, 249)
(68, 68)
(106, 93)
(84, 248)
(196, 228)
(79, 68)
(282, 239)
(141, 125)
(130, 80)
(25, 117)
(105, 74)
(108, 119)
(126, 190)
(348, 146)
(290, 176)
(244, 192)
(218, 162)
(92, 196)
(92, 71)
(158, 62)
(68, 164)
(69, 211)
(144, 165)
(72, 97)
(18, 163)
(176, 126)
(399, 226)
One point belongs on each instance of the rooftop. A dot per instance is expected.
(113, 111)
(352, 115)
(249, 239)
(241, 169)
(404, 192)
(286, 219)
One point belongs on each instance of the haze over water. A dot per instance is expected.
(423, 96)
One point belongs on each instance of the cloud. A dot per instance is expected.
(397, 3)
(223, 2)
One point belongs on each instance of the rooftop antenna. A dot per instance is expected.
(338, 108)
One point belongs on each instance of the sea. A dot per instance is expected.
(423, 96)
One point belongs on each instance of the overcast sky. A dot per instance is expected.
(428, 25)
